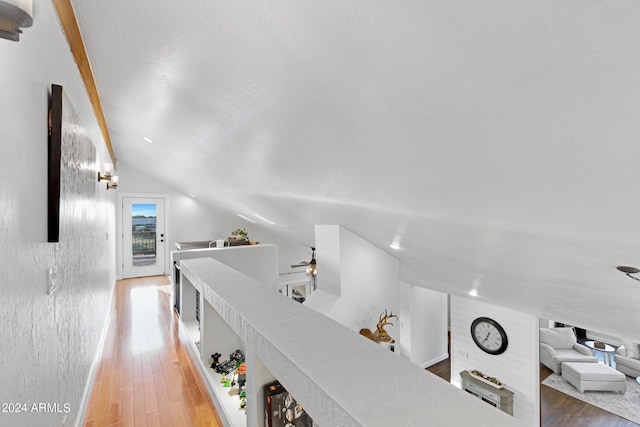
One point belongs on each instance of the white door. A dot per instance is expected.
(143, 237)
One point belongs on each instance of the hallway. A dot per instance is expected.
(145, 376)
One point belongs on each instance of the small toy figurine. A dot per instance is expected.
(237, 357)
(233, 380)
(224, 377)
(216, 360)
(243, 403)
(242, 380)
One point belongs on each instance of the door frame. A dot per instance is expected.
(119, 231)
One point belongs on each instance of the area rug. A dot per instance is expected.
(624, 405)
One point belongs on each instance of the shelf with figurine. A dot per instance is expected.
(231, 375)
(229, 386)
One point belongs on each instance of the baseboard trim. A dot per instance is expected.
(440, 358)
(84, 403)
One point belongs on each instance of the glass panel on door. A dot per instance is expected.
(143, 235)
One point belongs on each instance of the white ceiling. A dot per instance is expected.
(498, 142)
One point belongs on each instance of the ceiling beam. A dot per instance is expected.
(69, 23)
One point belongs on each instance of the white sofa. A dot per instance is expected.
(627, 359)
(558, 345)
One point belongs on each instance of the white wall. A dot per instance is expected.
(193, 220)
(260, 262)
(48, 341)
(328, 255)
(405, 319)
(428, 326)
(204, 222)
(518, 367)
(368, 278)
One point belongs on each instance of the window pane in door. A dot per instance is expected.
(143, 234)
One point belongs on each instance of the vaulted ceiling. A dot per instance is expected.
(496, 142)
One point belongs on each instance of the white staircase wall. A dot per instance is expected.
(363, 278)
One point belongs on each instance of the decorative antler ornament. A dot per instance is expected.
(380, 335)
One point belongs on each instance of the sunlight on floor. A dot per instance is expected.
(145, 320)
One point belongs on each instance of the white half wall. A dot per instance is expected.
(260, 262)
(518, 367)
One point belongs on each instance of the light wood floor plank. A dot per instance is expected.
(146, 377)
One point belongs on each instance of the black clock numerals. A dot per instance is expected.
(489, 335)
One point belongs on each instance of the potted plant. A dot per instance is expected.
(240, 234)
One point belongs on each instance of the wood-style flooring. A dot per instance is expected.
(557, 409)
(145, 377)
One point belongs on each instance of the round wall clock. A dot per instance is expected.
(489, 335)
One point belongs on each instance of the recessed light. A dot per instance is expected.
(192, 195)
(264, 219)
(473, 292)
(247, 219)
(394, 245)
(148, 140)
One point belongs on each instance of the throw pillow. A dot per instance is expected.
(633, 349)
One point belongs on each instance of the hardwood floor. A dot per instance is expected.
(557, 409)
(145, 377)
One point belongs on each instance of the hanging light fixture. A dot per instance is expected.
(312, 269)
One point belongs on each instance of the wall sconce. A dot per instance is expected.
(112, 180)
(15, 14)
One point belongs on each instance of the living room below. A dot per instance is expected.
(595, 368)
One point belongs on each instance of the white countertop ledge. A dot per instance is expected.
(338, 376)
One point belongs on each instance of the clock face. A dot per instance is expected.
(489, 335)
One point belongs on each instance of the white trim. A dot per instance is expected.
(167, 231)
(84, 402)
(440, 358)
